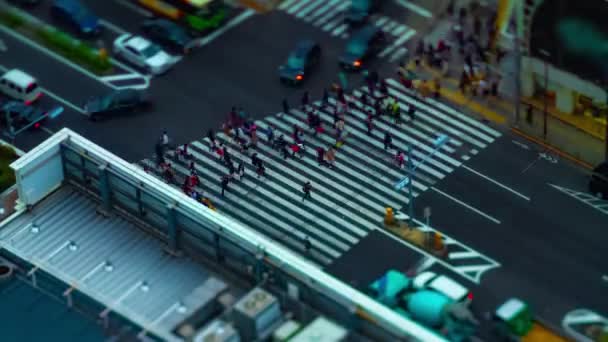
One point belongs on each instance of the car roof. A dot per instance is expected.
(19, 77)
(365, 33)
(602, 168)
(449, 287)
(163, 22)
(70, 5)
(137, 42)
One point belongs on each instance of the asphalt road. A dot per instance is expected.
(552, 248)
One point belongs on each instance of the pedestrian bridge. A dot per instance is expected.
(184, 225)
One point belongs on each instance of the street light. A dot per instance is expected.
(547, 55)
(441, 140)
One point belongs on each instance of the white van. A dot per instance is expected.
(19, 85)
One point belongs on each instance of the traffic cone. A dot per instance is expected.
(389, 218)
(438, 241)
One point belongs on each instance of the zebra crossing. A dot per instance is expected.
(348, 201)
(329, 17)
(587, 198)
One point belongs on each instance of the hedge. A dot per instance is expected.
(74, 49)
(11, 19)
(7, 176)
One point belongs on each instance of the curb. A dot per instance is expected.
(552, 148)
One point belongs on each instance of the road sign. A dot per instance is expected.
(55, 112)
(401, 184)
(427, 212)
(441, 139)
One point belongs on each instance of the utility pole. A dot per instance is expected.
(546, 54)
(441, 140)
(517, 51)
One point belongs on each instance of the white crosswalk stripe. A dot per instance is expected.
(329, 17)
(347, 201)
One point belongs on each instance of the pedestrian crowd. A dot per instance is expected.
(470, 43)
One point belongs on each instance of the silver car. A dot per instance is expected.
(144, 53)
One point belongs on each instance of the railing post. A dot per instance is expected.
(104, 187)
(172, 226)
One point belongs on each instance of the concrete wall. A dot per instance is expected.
(564, 84)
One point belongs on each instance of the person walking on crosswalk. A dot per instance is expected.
(285, 106)
(400, 159)
(411, 112)
(388, 141)
(369, 123)
(225, 181)
(307, 188)
(325, 102)
(307, 245)
(330, 157)
(240, 170)
(305, 100)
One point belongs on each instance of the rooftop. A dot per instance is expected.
(110, 260)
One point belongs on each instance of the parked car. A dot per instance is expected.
(447, 286)
(143, 53)
(303, 59)
(77, 16)
(598, 183)
(362, 46)
(25, 3)
(20, 86)
(360, 10)
(116, 103)
(20, 114)
(169, 34)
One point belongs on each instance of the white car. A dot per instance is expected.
(144, 53)
(442, 284)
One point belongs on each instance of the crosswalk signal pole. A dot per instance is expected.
(410, 186)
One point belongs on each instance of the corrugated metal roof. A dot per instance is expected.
(110, 260)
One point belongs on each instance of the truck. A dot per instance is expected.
(514, 321)
(449, 318)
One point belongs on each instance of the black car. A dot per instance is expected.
(168, 34)
(25, 3)
(361, 47)
(300, 62)
(74, 14)
(359, 11)
(598, 184)
(116, 102)
(19, 114)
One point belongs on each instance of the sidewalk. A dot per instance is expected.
(579, 138)
(502, 112)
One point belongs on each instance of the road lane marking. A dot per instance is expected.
(54, 55)
(496, 182)
(462, 255)
(586, 198)
(135, 8)
(121, 77)
(522, 145)
(112, 27)
(64, 101)
(481, 213)
(232, 23)
(472, 272)
(53, 95)
(415, 8)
